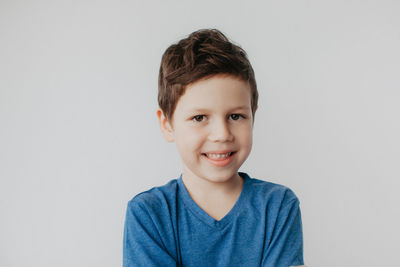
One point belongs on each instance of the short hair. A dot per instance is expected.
(202, 54)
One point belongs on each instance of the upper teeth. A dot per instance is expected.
(218, 155)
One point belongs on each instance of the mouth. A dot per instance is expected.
(219, 159)
(219, 156)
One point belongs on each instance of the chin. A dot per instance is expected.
(219, 178)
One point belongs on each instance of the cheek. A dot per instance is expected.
(245, 132)
(245, 137)
(249, 140)
(190, 138)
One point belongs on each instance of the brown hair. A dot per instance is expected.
(203, 53)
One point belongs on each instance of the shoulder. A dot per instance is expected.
(272, 194)
(155, 199)
(148, 236)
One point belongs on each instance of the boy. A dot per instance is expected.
(212, 215)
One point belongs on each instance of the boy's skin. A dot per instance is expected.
(225, 124)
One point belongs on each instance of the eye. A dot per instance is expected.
(236, 117)
(198, 118)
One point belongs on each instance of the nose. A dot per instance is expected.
(220, 132)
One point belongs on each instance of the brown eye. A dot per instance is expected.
(236, 117)
(198, 118)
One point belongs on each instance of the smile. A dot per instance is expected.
(217, 156)
(219, 159)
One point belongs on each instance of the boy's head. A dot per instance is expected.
(207, 98)
(202, 54)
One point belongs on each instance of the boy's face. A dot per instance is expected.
(212, 126)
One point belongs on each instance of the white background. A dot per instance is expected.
(79, 135)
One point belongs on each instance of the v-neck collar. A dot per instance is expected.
(204, 216)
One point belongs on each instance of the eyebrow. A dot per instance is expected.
(198, 109)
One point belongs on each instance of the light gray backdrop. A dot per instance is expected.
(79, 136)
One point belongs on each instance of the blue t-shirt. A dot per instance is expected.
(165, 227)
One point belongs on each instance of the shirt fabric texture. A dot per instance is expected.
(165, 227)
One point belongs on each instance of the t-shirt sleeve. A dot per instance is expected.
(285, 247)
(143, 245)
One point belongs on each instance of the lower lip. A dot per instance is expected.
(220, 162)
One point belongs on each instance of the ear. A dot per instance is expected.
(165, 126)
(254, 114)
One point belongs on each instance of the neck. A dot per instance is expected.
(202, 188)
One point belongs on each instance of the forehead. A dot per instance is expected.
(216, 92)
